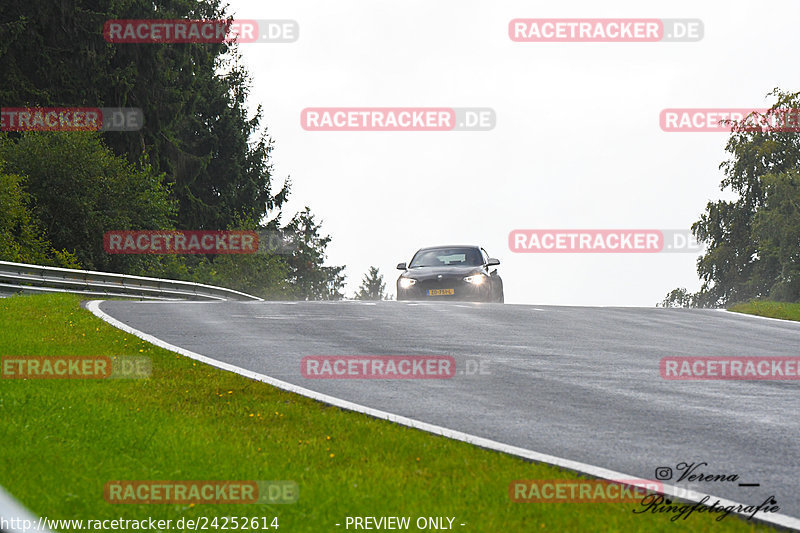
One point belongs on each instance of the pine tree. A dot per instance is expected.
(372, 286)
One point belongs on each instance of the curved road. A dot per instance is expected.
(579, 383)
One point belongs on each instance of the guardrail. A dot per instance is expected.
(35, 279)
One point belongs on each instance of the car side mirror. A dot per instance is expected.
(401, 266)
(493, 262)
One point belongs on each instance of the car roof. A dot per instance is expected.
(449, 246)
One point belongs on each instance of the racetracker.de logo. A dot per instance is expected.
(200, 492)
(581, 490)
(180, 242)
(398, 119)
(725, 120)
(378, 367)
(607, 241)
(75, 367)
(200, 31)
(605, 30)
(71, 119)
(730, 368)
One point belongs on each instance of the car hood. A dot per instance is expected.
(423, 273)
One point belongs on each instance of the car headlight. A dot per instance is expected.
(405, 283)
(477, 279)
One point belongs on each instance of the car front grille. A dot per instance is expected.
(444, 283)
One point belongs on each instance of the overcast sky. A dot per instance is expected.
(577, 142)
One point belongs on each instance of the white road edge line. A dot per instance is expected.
(738, 314)
(13, 512)
(583, 468)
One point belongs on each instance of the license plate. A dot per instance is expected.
(440, 292)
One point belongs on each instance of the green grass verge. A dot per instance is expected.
(62, 440)
(786, 311)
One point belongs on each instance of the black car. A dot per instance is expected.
(450, 273)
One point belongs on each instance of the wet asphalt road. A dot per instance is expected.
(579, 383)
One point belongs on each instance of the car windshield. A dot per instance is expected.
(447, 257)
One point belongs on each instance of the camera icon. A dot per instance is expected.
(663, 473)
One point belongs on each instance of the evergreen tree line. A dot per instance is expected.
(199, 162)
